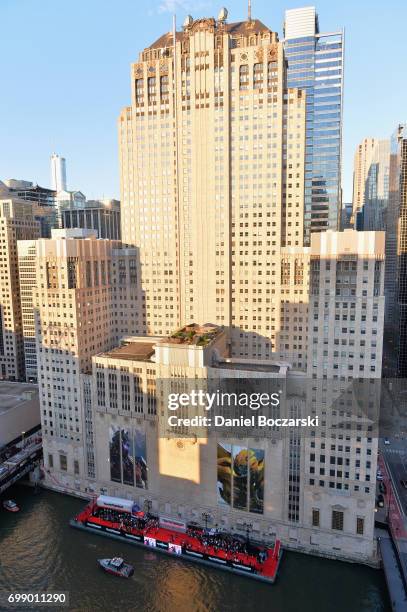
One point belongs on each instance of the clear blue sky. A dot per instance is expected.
(65, 74)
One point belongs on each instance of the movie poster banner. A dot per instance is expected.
(224, 474)
(239, 471)
(256, 480)
(114, 453)
(127, 457)
(140, 455)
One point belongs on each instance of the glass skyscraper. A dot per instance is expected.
(315, 63)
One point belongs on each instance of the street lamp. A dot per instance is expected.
(22, 439)
(205, 517)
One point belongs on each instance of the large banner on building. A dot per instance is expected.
(240, 477)
(256, 480)
(224, 474)
(140, 455)
(114, 453)
(239, 471)
(127, 457)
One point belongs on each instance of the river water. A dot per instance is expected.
(39, 551)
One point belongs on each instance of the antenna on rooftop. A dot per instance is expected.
(249, 10)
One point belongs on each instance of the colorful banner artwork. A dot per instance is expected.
(114, 454)
(256, 482)
(240, 465)
(140, 454)
(240, 477)
(127, 457)
(224, 474)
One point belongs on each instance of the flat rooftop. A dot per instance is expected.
(134, 351)
(14, 394)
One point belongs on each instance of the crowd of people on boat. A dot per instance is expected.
(209, 538)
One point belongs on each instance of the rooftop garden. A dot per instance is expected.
(194, 334)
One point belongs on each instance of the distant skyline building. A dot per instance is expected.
(396, 258)
(58, 173)
(370, 184)
(16, 223)
(315, 62)
(100, 215)
(377, 188)
(361, 164)
(27, 253)
(43, 202)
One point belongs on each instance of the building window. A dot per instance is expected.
(139, 91)
(100, 388)
(63, 463)
(50, 461)
(164, 90)
(72, 272)
(337, 520)
(76, 467)
(315, 517)
(125, 382)
(258, 76)
(360, 525)
(244, 77)
(151, 89)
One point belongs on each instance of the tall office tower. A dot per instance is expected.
(43, 203)
(377, 188)
(315, 63)
(396, 257)
(82, 283)
(212, 185)
(361, 164)
(58, 173)
(371, 184)
(101, 215)
(16, 223)
(346, 310)
(27, 253)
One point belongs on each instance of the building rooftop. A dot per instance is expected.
(13, 394)
(133, 351)
(238, 28)
(194, 334)
(19, 410)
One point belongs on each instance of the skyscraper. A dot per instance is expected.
(361, 164)
(371, 184)
(212, 185)
(315, 63)
(346, 313)
(396, 257)
(84, 302)
(58, 172)
(377, 188)
(27, 253)
(16, 223)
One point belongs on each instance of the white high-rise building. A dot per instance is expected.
(58, 172)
